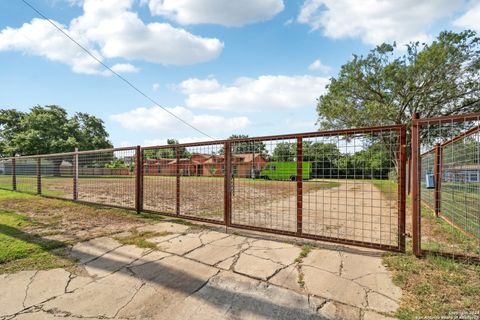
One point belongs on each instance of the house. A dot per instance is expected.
(205, 165)
(462, 173)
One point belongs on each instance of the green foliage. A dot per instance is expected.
(49, 130)
(257, 147)
(387, 87)
(327, 161)
(168, 153)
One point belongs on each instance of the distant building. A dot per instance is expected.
(462, 173)
(205, 165)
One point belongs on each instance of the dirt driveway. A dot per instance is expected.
(353, 210)
(203, 274)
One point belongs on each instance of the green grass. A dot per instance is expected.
(20, 250)
(433, 286)
(139, 239)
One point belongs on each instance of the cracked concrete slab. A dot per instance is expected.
(325, 284)
(337, 311)
(287, 278)
(89, 250)
(168, 282)
(381, 283)
(184, 279)
(181, 245)
(381, 303)
(12, 298)
(219, 250)
(45, 285)
(284, 256)
(255, 267)
(356, 265)
(102, 298)
(114, 260)
(231, 296)
(328, 260)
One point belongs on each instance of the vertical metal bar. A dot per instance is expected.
(402, 188)
(299, 186)
(409, 175)
(14, 174)
(177, 168)
(39, 175)
(228, 184)
(416, 208)
(75, 175)
(138, 179)
(437, 173)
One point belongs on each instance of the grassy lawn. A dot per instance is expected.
(433, 286)
(20, 250)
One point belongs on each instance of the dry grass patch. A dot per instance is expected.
(139, 239)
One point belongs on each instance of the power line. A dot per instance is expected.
(115, 73)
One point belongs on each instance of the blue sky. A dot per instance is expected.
(253, 66)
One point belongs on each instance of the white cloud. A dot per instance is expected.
(376, 21)
(109, 29)
(255, 94)
(227, 13)
(317, 65)
(156, 86)
(471, 18)
(194, 85)
(156, 119)
(124, 68)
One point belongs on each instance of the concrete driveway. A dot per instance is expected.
(197, 273)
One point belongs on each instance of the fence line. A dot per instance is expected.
(446, 179)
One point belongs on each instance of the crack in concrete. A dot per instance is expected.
(71, 276)
(98, 257)
(340, 271)
(131, 299)
(28, 287)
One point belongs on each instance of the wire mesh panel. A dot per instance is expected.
(264, 189)
(427, 176)
(107, 177)
(6, 174)
(453, 226)
(201, 171)
(57, 175)
(159, 180)
(26, 174)
(350, 187)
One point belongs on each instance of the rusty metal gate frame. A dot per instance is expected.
(139, 168)
(417, 201)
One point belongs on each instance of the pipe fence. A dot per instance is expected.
(343, 186)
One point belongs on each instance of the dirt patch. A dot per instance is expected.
(72, 222)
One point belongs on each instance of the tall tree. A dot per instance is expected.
(387, 86)
(49, 130)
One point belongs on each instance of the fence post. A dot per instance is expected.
(14, 174)
(138, 180)
(409, 175)
(299, 186)
(75, 175)
(39, 175)
(177, 169)
(437, 172)
(402, 176)
(227, 184)
(416, 207)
